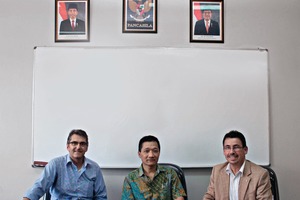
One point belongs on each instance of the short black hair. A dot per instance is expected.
(206, 9)
(79, 132)
(148, 138)
(72, 5)
(235, 134)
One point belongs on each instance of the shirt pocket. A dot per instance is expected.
(87, 185)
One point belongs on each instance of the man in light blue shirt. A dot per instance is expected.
(72, 176)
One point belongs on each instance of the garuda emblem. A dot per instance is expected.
(140, 9)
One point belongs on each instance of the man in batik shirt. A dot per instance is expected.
(152, 181)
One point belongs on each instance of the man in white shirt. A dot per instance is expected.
(207, 26)
(72, 25)
(238, 178)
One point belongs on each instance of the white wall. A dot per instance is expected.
(272, 24)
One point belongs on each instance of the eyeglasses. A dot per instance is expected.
(234, 148)
(83, 144)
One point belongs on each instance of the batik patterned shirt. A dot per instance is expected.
(164, 186)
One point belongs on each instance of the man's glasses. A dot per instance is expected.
(234, 148)
(83, 144)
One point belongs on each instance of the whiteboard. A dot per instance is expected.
(187, 97)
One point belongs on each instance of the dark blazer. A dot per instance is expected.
(200, 28)
(66, 28)
(254, 183)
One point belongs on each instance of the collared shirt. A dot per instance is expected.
(164, 186)
(207, 23)
(234, 181)
(73, 20)
(67, 182)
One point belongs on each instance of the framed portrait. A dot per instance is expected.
(139, 16)
(72, 20)
(207, 21)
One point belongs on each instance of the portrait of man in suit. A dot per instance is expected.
(72, 25)
(207, 26)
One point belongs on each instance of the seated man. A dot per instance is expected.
(151, 181)
(238, 178)
(72, 176)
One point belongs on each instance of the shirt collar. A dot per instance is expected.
(241, 170)
(85, 163)
(158, 170)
